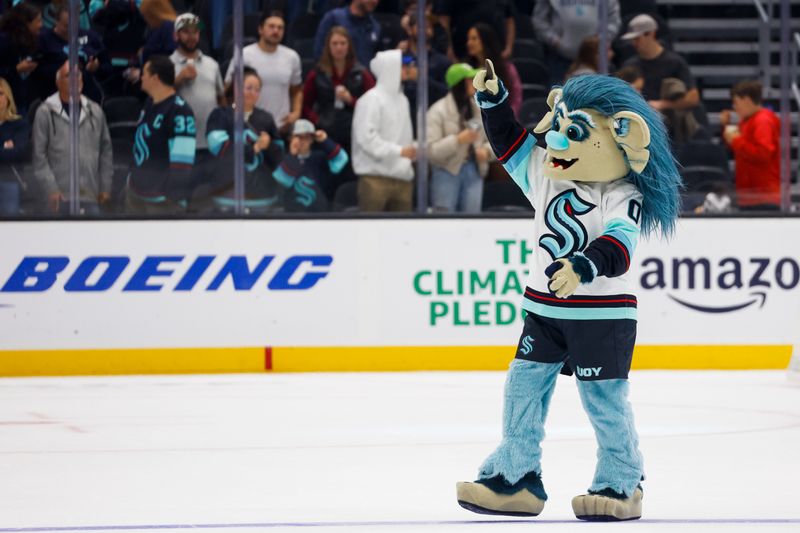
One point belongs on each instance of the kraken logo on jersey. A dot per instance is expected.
(569, 235)
(527, 345)
(141, 152)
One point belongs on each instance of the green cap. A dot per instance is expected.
(458, 72)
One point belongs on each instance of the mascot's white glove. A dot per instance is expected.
(486, 80)
(566, 274)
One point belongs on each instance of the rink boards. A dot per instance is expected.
(344, 295)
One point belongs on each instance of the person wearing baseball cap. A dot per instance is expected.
(656, 63)
(458, 149)
(310, 171)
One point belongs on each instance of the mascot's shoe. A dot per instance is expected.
(608, 506)
(495, 495)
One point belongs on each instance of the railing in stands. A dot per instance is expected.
(763, 44)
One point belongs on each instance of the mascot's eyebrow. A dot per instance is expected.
(582, 116)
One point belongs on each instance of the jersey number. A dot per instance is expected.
(184, 125)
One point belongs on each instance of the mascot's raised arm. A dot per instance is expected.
(606, 177)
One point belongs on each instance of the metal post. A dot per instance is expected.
(422, 108)
(764, 40)
(602, 34)
(74, 109)
(786, 127)
(238, 114)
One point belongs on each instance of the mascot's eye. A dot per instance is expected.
(575, 133)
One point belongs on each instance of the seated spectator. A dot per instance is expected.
(199, 82)
(310, 169)
(262, 151)
(160, 37)
(20, 54)
(562, 27)
(95, 62)
(681, 123)
(657, 63)
(51, 142)
(163, 151)
(482, 44)
(755, 144)
(14, 150)
(632, 75)
(383, 146)
(280, 71)
(458, 150)
(334, 85)
(458, 16)
(437, 67)
(364, 30)
(587, 58)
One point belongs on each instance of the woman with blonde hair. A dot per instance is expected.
(333, 86)
(160, 18)
(14, 148)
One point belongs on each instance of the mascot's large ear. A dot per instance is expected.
(632, 134)
(552, 100)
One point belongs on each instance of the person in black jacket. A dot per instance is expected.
(263, 150)
(15, 136)
(309, 171)
(20, 54)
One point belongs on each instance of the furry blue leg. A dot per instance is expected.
(529, 388)
(619, 462)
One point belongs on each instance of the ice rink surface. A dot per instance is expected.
(376, 452)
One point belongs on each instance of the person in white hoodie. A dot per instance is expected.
(383, 149)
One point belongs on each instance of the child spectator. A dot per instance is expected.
(755, 144)
(310, 169)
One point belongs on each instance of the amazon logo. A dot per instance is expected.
(754, 277)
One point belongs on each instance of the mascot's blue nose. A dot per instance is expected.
(556, 141)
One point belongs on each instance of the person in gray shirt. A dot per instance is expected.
(198, 81)
(563, 24)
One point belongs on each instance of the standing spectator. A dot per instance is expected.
(755, 144)
(95, 62)
(482, 44)
(199, 82)
(458, 16)
(160, 37)
(279, 68)
(122, 29)
(439, 40)
(310, 169)
(657, 63)
(14, 149)
(361, 25)
(51, 141)
(383, 146)
(164, 145)
(458, 149)
(262, 151)
(19, 52)
(562, 26)
(334, 85)
(437, 67)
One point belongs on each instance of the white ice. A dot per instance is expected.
(376, 452)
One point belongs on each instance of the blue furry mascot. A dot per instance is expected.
(606, 176)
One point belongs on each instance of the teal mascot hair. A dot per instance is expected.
(660, 182)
